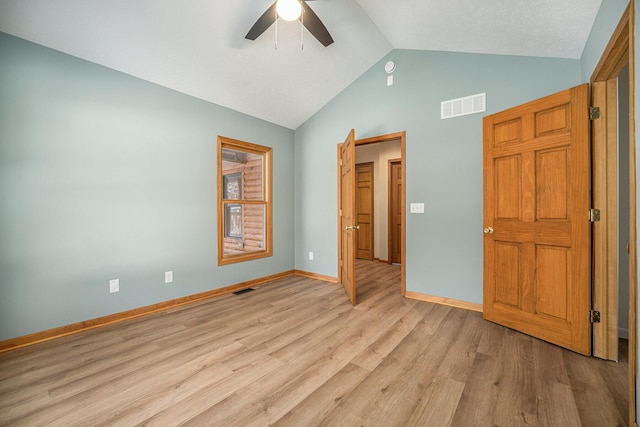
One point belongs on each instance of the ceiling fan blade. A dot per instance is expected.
(265, 21)
(315, 25)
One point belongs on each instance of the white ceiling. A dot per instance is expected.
(197, 47)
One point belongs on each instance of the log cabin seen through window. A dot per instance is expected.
(244, 201)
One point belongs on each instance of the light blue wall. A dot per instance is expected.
(106, 176)
(443, 164)
(603, 27)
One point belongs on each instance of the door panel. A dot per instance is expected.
(509, 193)
(551, 184)
(507, 290)
(347, 224)
(536, 203)
(552, 286)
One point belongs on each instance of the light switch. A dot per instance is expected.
(417, 207)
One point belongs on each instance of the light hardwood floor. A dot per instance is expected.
(296, 353)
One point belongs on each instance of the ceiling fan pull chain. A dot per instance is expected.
(302, 30)
(276, 43)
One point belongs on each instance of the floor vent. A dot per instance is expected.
(243, 291)
(463, 106)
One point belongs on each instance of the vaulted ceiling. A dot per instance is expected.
(197, 47)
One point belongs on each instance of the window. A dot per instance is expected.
(244, 201)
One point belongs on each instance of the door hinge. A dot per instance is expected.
(340, 212)
(594, 215)
(594, 113)
(594, 316)
(340, 162)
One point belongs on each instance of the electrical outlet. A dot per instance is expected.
(114, 285)
(168, 276)
(310, 256)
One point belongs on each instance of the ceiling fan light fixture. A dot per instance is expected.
(289, 10)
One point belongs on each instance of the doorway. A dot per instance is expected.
(610, 135)
(363, 148)
(381, 150)
(618, 53)
(610, 93)
(378, 156)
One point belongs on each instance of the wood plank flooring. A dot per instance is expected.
(296, 353)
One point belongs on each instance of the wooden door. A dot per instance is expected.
(347, 227)
(364, 210)
(537, 243)
(395, 211)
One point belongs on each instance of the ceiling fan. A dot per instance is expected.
(301, 12)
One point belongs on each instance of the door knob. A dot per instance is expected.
(488, 230)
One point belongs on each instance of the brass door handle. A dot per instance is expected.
(352, 227)
(488, 230)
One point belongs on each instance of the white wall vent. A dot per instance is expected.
(463, 106)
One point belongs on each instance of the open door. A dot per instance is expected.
(346, 219)
(537, 245)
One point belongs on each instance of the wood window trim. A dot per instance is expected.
(266, 152)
